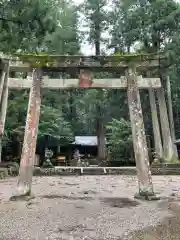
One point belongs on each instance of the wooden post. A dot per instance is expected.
(4, 102)
(168, 146)
(30, 136)
(170, 111)
(139, 139)
(155, 123)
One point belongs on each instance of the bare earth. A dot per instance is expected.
(90, 207)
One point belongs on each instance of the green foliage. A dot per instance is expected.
(96, 21)
(150, 26)
(24, 24)
(153, 23)
(53, 124)
(38, 26)
(120, 140)
(64, 40)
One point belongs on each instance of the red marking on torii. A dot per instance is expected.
(85, 80)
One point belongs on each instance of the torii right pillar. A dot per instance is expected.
(139, 139)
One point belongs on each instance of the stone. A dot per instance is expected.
(146, 197)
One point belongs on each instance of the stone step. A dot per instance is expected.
(93, 171)
(100, 171)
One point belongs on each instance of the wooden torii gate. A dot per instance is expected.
(83, 67)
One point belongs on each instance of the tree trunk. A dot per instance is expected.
(97, 29)
(139, 138)
(101, 142)
(101, 139)
(100, 123)
(30, 136)
(72, 110)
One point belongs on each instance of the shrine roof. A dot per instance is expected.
(86, 141)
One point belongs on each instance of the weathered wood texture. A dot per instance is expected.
(4, 102)
(96, 63)
(168, 145)
(30, 136)
(138, 134)
(143, 83)
(155, 123)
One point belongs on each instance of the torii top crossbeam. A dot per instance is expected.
(94, 63)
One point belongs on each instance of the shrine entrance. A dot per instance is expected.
(134, 72)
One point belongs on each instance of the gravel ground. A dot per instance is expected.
(87, 207)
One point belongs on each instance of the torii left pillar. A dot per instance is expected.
(139, 139)
(30, 137)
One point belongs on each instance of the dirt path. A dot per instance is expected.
(88, 207)
(167, 229)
